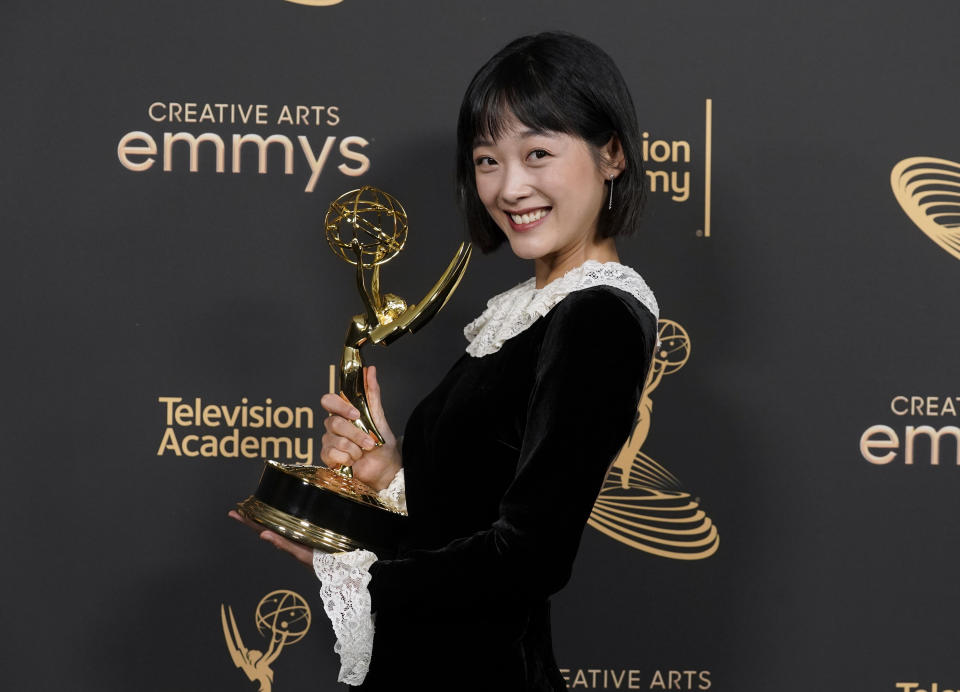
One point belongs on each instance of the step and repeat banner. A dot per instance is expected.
(783, 518)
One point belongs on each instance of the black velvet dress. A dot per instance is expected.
(503, 462)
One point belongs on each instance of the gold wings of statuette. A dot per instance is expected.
(418, 314)
(367, 228)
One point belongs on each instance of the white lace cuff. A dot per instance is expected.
(394, 495)
(346, 600)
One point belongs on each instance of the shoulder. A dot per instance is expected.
(606, 297)
(607, 274)
(587, 296)
(604, 313)
(599, 333)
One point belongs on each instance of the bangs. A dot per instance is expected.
(518, 91)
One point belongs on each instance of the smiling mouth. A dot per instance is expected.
(527, 218)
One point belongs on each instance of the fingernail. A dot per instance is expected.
(354, 413)
(368, 443)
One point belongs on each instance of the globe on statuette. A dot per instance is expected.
(367, 218)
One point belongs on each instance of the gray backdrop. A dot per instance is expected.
(812, 304)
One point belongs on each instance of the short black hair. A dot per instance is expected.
(559, 82)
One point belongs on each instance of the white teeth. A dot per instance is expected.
(528, 218)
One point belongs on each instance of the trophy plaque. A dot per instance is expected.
(328, 508)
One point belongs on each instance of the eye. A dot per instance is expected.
(484, 160)
(537, 154)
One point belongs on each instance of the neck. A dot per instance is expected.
(553, 266)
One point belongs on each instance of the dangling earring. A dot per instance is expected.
(610, 201)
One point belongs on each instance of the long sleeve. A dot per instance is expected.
(593, 358)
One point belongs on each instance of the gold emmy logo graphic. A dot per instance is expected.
(641, 504)
(928, 190)
(284, 617)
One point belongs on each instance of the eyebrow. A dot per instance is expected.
(528, 132)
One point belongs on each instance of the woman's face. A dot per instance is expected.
(543, 189)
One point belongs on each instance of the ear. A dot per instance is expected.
(611, 153)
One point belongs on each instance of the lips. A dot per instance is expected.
(525, 219)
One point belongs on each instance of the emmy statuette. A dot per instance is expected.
(327, 508)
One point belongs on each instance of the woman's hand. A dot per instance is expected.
(300, 552)
(344, 444)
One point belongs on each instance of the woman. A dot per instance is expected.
(501, 463)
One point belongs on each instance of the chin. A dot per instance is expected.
(525, 249)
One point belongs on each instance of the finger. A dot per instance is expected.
(375, 402)
(234, 514)
(336, 405)
(343, 428)
(275, 539)
(334, 457)
(301, 553)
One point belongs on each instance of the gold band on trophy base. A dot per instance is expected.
(321, 508)
(325, 508)
(295, 528)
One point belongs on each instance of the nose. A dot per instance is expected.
(515, 184)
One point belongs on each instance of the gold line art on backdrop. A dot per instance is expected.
(928, 190)
(282, 616)
(641, 503)
(707, 163)
(315, 3)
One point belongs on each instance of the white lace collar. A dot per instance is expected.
(511, 312)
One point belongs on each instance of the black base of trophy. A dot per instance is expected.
(320, 508)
